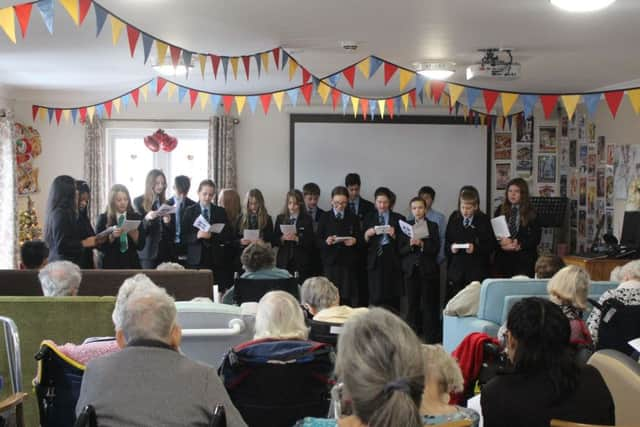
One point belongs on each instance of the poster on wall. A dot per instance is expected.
(573, 213)
(600, 182)
(524, 157)
(563, 186)
(546, 168)
(503, 146)
(564, 155)
(524, 130)
(573, 185)
(28, 147)
(591, 196)
(503, 175)
(626, 170)
(548, 139)
(611, 152)
(573, 153)
(546, 190)
(602, 153)
(583, 191)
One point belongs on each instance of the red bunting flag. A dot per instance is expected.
(215, 63)
(389, 71)
(135, 95)
(390, 107)
(23, 12)
(276, 57)
(306, 92)
(35, 108)
(490, 98)
(306, 75)
(193, 96)
(364, 104)
(265, 100)
(246, 61)
(132, 34)
(161, 83)
(227, 100)
(548, 104)
(335, 98)
(58, 115)
(175, 55)
(107, 108)
(83, 114)
(613, 101)
(437, 87)
(350, 74)
(412, 98)
(489, 118)
(85, 5)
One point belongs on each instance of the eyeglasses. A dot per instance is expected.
(337, 203)
(340, 406)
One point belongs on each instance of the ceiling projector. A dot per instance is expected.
(496, 64)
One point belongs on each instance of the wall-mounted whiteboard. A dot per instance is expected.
(403, 157)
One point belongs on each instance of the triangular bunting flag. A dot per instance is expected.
(116, 104)
(285, 59)
(276, 57)
(529, 102)
(591, 101)
(306, 92)
(72, 8)
(265, 100)
(66, 115)
(323, 91)
(315, 82)
(396, 104)
(227, 101)
(83, 115)
(193, 96)
(161, 49)
(74, 115)
(373, 106)
(390, 107)
(147, 41)
(293, 66)
(405, 78)
(171, 90)
(634, 98)
(253, 103)
(264, 56)
(344, 98)
(305, 75)
(570, 103)
(8, 22)
(116, 29)
(23, 13)
(182, 92)
(258, 63)
(510, 121)
(107, 107)
(364, 105)
(84, 6)
(472, 95)
(364, 67)
(215, 63)
(437, 87)
(34, 112)
(225, 66)
(490, 98)
(91, 111)
(234, 66)
(381, 104)
(186, 60)
(354, 103)
(412, 97)
(246, 61)
(144, 90)
(126, 99)
(135, 94)
(101, 17)
(293, 96)
(508, 99)
(277, 99)
(203, 63)
(375, 65)
(46, 11)
(204, 100)
(174, 52)
(548, 104)
(613, 101)
(335, 97)
(405, 102)
(350, 74)
(100, 111)
(334, 79)
(42, 114)
(215, 102)
(420, 82)
(132, 35)
(454, 92)
(389, 71)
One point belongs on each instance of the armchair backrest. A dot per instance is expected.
(251, 290)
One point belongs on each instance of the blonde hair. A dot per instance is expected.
(279, 316)
(229, 199)
(440, 365)
(570, 286)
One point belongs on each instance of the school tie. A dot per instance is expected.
(467, 222)
(205, 214)
(352, 207)
(339, 216)
(177, 239)
(124, 242)
(513, 221)
(253, 222)
(292, 220)
(385, 237)
(313, 217)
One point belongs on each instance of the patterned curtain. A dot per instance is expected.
(222, 151)
(95, 155)
(8, 201)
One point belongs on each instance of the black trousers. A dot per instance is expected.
(385, 281)
(423, 305)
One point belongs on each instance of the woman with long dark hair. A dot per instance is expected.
(62, 233)
(545, 380)
(517, 254)
(84, 223)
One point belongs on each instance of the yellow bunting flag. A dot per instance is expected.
(427, 88)
(204, 100)
(161, 49)
(72, 8)
(293, 66)
(508, 99)
(116, 104)
(381, 104)
(144, 90)
(454, 92)
(203, 63)
(42, 113)
(444, 100)
(405, 101)
(324, 90)
(264, 56)
(634, 98)
(570, 103)
(8, 22)
(66, 115)
(234, 66)
(354, 102)
(277, 98)
(171, 90)
(365, 67)
(482, 119)
(405, 78)
(240, 100)
(465, 112)
(90, 112)
(116, 29)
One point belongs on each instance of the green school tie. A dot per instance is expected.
(124, 242)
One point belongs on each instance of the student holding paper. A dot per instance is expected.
(120, 250)
(206, 247)
(255, 219)
(422, 274)
(296, 246)
(181, 186)
(338, 233)
(518, 252)
(383, 259)
(229, 199)
(311, 194)
(469, 243)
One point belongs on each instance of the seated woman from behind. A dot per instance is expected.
(545, 381)
(569, 289)
(442, 377)
(321, 298)
(280, 317)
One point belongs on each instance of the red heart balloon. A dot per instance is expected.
(152, 143)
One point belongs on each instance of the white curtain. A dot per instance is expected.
(95, 155)
(222, 151)
(8, 200)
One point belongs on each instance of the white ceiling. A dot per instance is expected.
(559, 51)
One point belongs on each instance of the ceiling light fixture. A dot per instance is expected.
(435, 70)
(582, 5)
(167, 69)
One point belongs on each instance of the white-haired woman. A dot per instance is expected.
(569, 288)
(442, 377)
(279, 316)
(322, 299)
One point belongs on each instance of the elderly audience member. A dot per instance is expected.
(628, 292)
(442, 377)
(548, 265)
(322, 299)
(569, 289)
(149, 382)
(170, 266)
(380, 372)
(33, 255)
(280, 317)
(60, 279)
(545, 382)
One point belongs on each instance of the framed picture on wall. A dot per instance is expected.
(547, 168)
(503, 146)
(548, 139)
(503, 175)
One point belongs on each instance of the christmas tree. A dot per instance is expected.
(28, 224)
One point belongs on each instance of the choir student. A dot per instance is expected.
(295, 249)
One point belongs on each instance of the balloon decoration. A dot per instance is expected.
(160, 140)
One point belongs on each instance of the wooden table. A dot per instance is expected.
(598, 268)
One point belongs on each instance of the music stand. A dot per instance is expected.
(551, 211)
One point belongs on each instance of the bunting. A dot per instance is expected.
(8, 22)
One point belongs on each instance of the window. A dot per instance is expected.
(129, 160)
